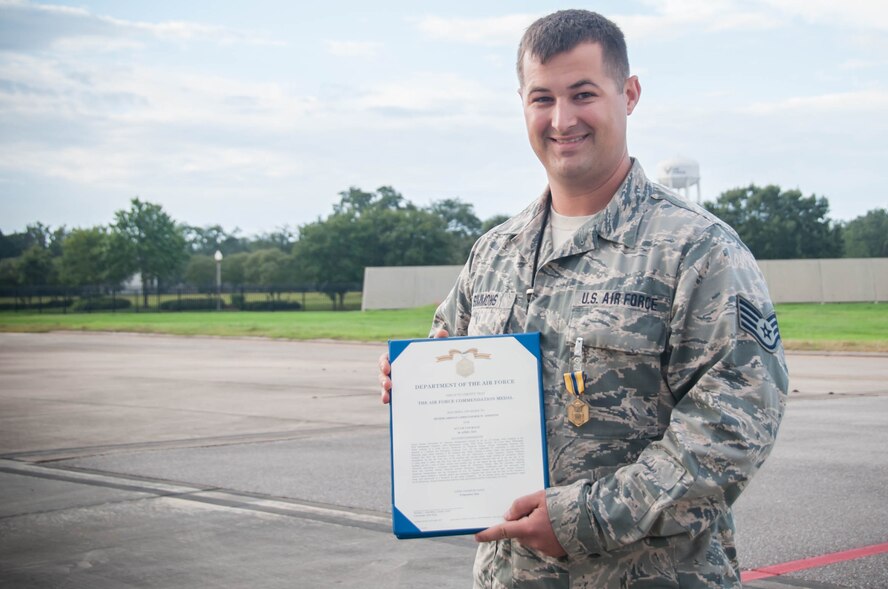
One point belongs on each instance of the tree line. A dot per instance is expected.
(379, 228)
(329, 255)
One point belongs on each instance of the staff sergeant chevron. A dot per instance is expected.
(752, 321)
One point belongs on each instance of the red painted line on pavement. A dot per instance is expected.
(814, 561)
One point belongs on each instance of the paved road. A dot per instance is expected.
(153, 461)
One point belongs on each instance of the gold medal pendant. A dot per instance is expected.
(578, 412)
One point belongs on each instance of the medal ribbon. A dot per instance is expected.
(575, 382)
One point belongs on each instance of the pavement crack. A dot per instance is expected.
(60, 454)
(212, 495)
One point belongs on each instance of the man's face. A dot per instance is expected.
(576, 116)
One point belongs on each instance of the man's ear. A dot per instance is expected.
(632, 90)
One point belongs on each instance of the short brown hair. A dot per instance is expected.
(561, 31)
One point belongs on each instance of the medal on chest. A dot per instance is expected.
(575, 383)
(577, 410)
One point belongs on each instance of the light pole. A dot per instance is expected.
(218, 258)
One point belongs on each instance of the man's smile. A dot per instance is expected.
(568, 140)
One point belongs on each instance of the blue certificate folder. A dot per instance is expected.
(467, 431)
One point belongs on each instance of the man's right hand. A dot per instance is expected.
(385, 370)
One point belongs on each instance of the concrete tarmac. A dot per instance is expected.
(153, 461)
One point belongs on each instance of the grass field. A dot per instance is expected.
(310, 301)
(300, 325)
(838, 327)
(835, 326)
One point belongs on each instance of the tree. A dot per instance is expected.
(234, 268)
(207, 240)
(357, 202)
(83, 257)
(155, 245)
(46, 237)
(35, 267)
(330, 251)
(462, 224)
(9, 272)
(779, 225)
(35, 234)
(8, 247)
(270, 268)
(867, 235)
(378, 229)
(409, 237)
(493, 222)
(201, 272)
(117, 259)
(281, 239)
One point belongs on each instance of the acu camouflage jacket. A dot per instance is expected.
(685, 380)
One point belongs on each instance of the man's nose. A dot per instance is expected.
(564, 116)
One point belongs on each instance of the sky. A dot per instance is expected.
(255, 115)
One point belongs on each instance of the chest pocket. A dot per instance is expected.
(490, 312)
(622, 347)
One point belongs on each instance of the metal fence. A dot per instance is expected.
(88, 299)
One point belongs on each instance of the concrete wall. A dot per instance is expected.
(403, 287)
(789, 281)
(827, 281)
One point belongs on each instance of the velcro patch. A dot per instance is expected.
(752, 321)
(493, 300)
(616, 298)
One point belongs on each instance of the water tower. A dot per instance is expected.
(679, 174)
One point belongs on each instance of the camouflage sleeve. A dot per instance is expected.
(729, 384)
(454, 313)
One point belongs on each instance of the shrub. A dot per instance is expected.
(271, 305)
(24, 306)
(101, 304)
(200, 304)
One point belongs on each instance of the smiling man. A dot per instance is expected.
(651, 307)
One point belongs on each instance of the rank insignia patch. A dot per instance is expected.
(763, 329)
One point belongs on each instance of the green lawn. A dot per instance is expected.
(300, 325)
(851, 326)
(310, 301)
(834, 326)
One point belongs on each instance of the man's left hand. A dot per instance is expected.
(527, 521)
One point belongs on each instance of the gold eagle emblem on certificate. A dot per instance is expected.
(465, 366)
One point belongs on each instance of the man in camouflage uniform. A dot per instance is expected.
(662, 313)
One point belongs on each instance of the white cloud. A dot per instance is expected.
(860, 14)
(672, 18)
(126, 125)
(502, 30)
(874, 101)
(26, 25)
(353, 48)
(677, 17)
(861, 64)
(182, 30)
(441, 97)
(669, 18)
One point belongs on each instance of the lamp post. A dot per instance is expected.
(218, 258)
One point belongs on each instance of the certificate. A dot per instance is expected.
(467, 431)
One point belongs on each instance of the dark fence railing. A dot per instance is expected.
(87, 299)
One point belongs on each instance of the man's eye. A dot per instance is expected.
(585, 96)
(542, 99)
